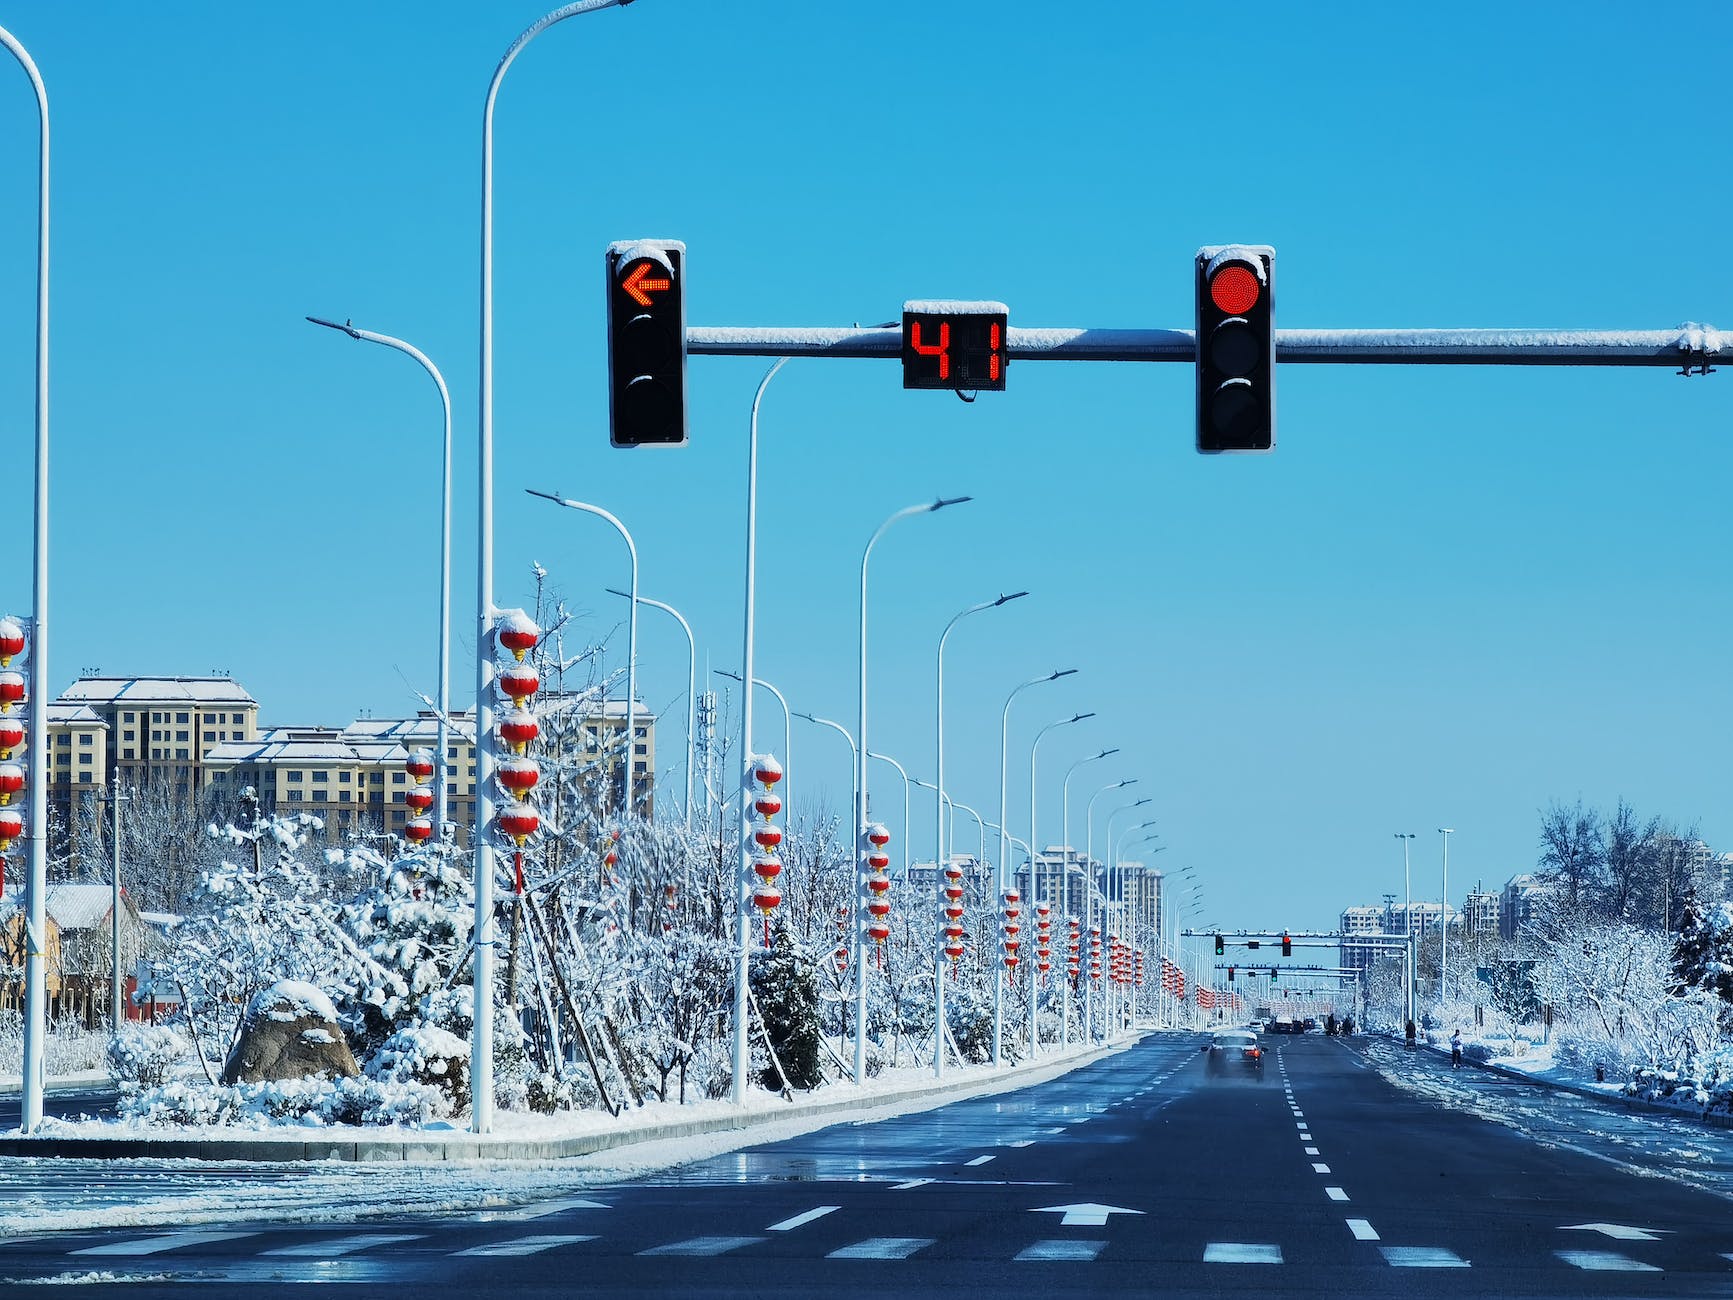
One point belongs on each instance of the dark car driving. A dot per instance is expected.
(1235, 1051)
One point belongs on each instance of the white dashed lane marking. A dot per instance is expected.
(1422, 1257)
(1605, 1261)
(341, 1245)
(521, 1246)
(702, 1246)
(1362, 1230)
(1239, 1252)
(156, 1245)
(1335, 1193)
(1311, 1151)
(882, 1248)
(913, 1182)
(978, 1160)
(1052, 1250)
(1320, 1169)
(801, 1219)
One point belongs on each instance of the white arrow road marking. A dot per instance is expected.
(522, 1246)
(1617, 1231)
(1362, 1230)
(1084, 1216)
(1605, 1261)
(156, 1245)
(799, 1219)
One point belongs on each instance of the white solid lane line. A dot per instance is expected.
(799, 1219)
(158, 1244)
(1362, 1230)
(1335, 1193)
(882, 1248)
(342, 1245)
(521, 1246)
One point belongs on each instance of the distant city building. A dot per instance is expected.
(1362, 920)
(1517, 903)
(161, 728)
(1481, 912)
(1419, 918)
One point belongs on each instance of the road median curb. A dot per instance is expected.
(421, 1148)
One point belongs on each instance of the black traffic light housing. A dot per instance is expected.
(647, 343)
(1287, 946)
(1220, 946)
(1230, 974)
(1236, 348)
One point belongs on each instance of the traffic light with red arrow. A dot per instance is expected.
(647, 343)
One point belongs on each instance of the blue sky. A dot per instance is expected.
(1451, 595)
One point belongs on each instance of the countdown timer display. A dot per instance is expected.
(955, 345)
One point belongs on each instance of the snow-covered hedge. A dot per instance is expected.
(140, 1055)
(300, 1102)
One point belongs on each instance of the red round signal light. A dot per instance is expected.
(1234, 289)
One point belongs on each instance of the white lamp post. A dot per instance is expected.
(691, 684)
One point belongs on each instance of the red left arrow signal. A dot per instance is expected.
(640, 288)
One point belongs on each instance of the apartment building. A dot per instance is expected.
(1480, 913)
(161, 728)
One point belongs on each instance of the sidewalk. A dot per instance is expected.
(630, 1127)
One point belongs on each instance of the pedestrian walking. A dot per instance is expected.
(1456, 1049)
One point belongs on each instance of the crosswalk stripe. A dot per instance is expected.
(702, 1246)
(1362, 1230)
(520, 1246)
(343, 1245)
(800, 1219)
(882, 1248)
(1051, 1250)
(1605, 1260)
(166, 1241)
(1026, 1142)
(978, 1160)
(1422, 1257)
(1237, 1252)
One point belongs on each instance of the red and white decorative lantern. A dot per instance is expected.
(518, 632)
(518, 728)
(11, 640)
(419, 800)
(11, 781)
(418, 830)
(419, 764)
(878, 883)
(517, 776)
(766, 770)
(841, 953)
(11, 827)
(12, 735)
(1012, 927)
(519, 820)
(766, 838)
(11, 689)
(519, 681)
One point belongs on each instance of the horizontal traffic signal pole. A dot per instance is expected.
(1692, 348)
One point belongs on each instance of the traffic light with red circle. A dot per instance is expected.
(1236, 348)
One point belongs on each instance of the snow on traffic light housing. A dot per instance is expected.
(1236, 348)
(955, 345)
(647, 343)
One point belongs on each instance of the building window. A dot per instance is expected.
(319, 796)
(295, 777)
(342, 796)
(126, 753)
(180, 735)
(85, 760)
(156, 717)
(182, 717)
(323, 777)
(237, 719)
(379, 778)
(399, 778)
(641, 749)
(181, 753)
(343, 778)
(86, 740)
(641, 732)
(126, 717)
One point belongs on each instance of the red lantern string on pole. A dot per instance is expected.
(876, 863)
(766, 838)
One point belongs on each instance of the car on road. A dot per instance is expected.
(1234, 1051)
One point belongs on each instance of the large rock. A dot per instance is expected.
(290, 1032)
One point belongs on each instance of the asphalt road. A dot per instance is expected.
(1135, 1175)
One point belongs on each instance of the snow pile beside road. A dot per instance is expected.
(1705, 1088)
(304, 1103)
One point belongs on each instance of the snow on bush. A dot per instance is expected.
(305, 1103)
(140, 1055)
(69, 1048)
(427, 1055)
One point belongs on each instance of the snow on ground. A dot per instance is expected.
(55, 1194)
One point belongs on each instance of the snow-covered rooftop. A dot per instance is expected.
(141, 690)
(78, 907)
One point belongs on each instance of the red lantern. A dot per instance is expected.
(766, 898)
(518, 776)
(954, 911)
(519, 821)
(519, 682)
(879, 907)
(953, 931)
(518, 728)
(11, 781)
(11, 640)
(877, 835)
(419, 764)
(768, 867)
(878, 931)
(878, 861)
(518, 632)
(11, 689)
(766, 770)
(767, 804)
(954, 951)
(879, 884)
(419, 799)
(11, 826)
(766, 836)
(11, 736)
(419, 830)
(841, 957)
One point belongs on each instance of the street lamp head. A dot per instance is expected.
(1447, 830)
(1004, 599)
(942, 502)
(1401, 836)
(1060, 672)
(346, 327)
(1130, 780)
(1106, 752)
(1079, 717)
(723, 672)
(1143, 801)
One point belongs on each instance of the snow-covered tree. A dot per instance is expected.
(1702, 956)
(785, 986)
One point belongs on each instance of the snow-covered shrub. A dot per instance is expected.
(297, 1102)
(427, 1055)
(140, 1055)
(68, 1047)
(785, 987)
